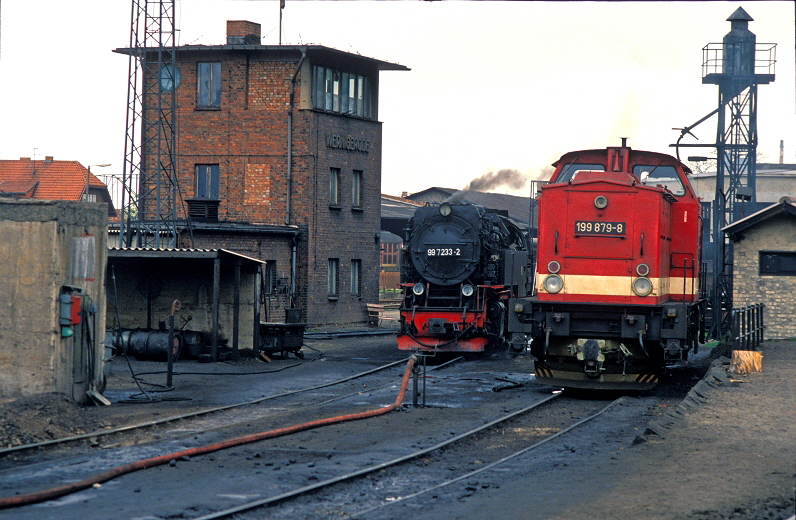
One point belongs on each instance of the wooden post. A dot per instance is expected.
(236, 311)
(216, 296)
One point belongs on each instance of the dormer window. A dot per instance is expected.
(342, 92)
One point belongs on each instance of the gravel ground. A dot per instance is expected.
(726, 452)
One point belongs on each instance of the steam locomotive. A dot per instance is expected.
(460, 266)
(617, 279)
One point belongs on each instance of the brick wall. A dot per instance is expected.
(345, 232)
(778, 293)
(247, 137)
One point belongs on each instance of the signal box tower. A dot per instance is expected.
(737, 65)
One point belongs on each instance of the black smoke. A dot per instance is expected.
(491, 180)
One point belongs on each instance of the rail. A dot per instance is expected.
(747, 327)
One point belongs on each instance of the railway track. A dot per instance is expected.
(145, 431)
(409, 477)
(288, 475)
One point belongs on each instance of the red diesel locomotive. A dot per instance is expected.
(617, 271)
(461, 264)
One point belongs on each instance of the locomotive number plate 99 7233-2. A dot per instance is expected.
(592, 227)
(443, 251)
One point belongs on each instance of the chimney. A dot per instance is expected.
(404, 194)
(48, 158)
(781, 151)
(241, 32)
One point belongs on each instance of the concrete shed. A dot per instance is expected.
(218, 291)
(764, 266)
(52, 276)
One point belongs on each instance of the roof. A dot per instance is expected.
(50, 180)
(173, 253)
(782, 209)
(396, 207)
(518, 207)
(319, 52)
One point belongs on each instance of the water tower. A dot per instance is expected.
(737, 65)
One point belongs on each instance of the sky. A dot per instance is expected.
(493, 85)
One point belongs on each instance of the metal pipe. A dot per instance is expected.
(290, 136)
(293, 273)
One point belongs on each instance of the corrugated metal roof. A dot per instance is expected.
(192, 253)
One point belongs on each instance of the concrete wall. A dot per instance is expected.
(46, 245)
(778, 293)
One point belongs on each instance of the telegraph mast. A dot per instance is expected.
(149, 195)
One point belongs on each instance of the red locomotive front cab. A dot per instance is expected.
(617, 270)
(621, 228)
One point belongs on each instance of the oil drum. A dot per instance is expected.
(153, 345)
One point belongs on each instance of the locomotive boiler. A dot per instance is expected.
(617, 278)
(460, 266)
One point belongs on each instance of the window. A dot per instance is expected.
(568, 172)
(334, 187)
(356, 277)
(332, 279)
(207, 181)
(664, 175)
(390, 254)
(342, 92)
(269, 277)
(778, 263)
(208, 85)
(356, 189)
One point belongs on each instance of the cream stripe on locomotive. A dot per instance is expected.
(616, 285)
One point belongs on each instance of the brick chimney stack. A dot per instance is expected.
(241, 32)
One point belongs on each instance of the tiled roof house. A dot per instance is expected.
(51, 180)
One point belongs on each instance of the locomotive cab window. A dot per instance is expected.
(664, 175)
(568, 172)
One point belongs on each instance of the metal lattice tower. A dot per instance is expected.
(737, 65)
(149, 196)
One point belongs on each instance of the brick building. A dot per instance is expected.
(279, 158)
(764, 266)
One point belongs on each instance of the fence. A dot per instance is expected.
(747, 327)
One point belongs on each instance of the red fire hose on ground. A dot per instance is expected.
(49, 494)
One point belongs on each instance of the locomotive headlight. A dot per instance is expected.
(642, 286)
(418, 289)
(600, 202)
(642, 269)
(553, 283)
(553, 267)
(444, 209)
(467, 290)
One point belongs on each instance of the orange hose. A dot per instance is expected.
(52, 493)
